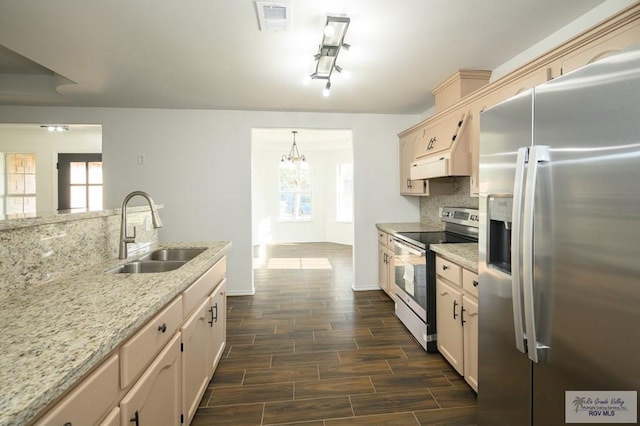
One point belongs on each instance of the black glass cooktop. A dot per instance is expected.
(426, 238)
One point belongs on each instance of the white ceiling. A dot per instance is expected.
(210, 54)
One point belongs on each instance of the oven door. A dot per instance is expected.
(410, 272)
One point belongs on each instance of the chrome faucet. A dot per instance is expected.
(124, 238)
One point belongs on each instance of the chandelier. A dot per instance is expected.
(332, 43)
(294, 155)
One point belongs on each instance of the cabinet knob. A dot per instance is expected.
(445, 267)
(475, 283)
(162, 328)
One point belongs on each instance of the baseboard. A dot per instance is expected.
(241, 293)
(369, 288)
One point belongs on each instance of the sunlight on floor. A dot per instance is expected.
(292, 263)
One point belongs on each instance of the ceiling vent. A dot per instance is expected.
(274, 16)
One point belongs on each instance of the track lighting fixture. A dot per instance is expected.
(332, 43)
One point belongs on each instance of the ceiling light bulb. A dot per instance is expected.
(327, 89)
(329, 31)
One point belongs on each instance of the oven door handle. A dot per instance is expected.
(413, 249)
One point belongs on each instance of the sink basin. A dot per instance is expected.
(169, 254)
(138, 267)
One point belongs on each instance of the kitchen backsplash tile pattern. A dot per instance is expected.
(41, 253)
(429, 206)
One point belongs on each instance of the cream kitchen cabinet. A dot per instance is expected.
(217, 325)
(407, 156)
(90, 400)
(155, 398)
(195, 366)
(385, 262)
(457, 318)
(158, 376)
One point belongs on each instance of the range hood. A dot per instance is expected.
(443, 149)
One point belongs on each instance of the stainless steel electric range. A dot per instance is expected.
(414, 285)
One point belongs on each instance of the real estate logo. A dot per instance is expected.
(601, 406)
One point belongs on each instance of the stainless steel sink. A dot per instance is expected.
(141, 267)
(168, 254)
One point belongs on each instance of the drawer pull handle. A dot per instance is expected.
(162, 328)
(462, 321)
(455, 303)
(214, 318)
(475, 283)
(445, 267)
(67, 424)
(135, 418)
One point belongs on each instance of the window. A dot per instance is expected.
(19, 186)
(344, 193)
(294, 188)
(80, 182)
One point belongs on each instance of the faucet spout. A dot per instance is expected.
(124, 238)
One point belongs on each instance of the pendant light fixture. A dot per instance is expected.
(294, 155)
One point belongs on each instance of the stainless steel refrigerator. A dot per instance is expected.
(559, 249)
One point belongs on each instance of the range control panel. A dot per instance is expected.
(461, 216)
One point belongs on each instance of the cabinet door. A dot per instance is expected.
(217, 325)
(195, 365)
(407, 156)
(155, 398)
(113, 419)
(450, 336)
(390, 271)
(470, 316)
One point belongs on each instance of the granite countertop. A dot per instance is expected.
(465, 254)
(55, 333)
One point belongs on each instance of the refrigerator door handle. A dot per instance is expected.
(516, 231)
(537, 154)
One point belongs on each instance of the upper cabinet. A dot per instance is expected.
(443, 148)
(447, 143)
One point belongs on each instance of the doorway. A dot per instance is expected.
(323, 183)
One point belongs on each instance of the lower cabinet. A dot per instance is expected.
(203, 342)
(159, 375)
(196, 371)
(217, 326)
(457, 318)
(385, 262)
(155, 398)
(90, 400)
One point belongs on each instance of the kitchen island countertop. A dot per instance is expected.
(55, 333)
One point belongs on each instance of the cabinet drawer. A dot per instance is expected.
(470, 282)
(88, 401)
(192, 296)
(448, 270)
(138, 352)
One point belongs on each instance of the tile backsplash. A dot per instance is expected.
(429, 206)
(50, 248)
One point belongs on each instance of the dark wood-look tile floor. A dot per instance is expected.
(307, 350)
